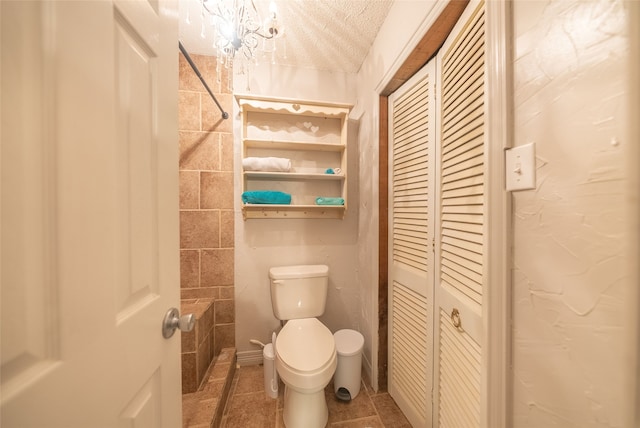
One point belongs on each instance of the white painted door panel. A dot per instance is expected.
(460, 224)
(89, 214)
(411, 224)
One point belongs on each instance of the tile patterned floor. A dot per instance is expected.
(249, 407)
(203, 408)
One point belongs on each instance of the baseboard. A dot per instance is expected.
(249, 358)
(368, 370)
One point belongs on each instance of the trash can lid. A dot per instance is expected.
(348, 342)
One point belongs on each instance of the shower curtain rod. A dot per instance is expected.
(225, 115)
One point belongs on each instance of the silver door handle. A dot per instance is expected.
(173, 320)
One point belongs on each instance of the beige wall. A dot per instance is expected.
(206, 216)
(569, 270)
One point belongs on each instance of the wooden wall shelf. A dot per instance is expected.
(313, 136)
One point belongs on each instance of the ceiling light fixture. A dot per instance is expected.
(240, 32)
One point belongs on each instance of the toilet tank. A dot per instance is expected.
(298, 291)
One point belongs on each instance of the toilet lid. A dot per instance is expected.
(305, 344)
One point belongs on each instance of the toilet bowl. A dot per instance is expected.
(306, 360)
(305, 349)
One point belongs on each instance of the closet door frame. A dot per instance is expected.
(496, 395)
(496, 369)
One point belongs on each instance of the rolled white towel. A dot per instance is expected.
(266, 164)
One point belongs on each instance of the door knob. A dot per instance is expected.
(455, 318)
(173, 320)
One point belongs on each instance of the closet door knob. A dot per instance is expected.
(455, 318)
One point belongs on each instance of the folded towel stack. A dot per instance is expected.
(329, 201)
(266, 197)
(268, 164)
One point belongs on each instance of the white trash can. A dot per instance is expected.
(270, 373)
(347, 379)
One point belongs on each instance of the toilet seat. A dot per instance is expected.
(305, 346)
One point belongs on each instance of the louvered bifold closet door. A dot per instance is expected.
(411, 258)
(460, 245)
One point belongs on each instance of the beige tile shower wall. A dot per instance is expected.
(569, 233)
(206, 203)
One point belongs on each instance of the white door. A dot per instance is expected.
(461, 221)
(89, 214)
(411, 260)
(443, 306)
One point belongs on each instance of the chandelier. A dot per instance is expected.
(240, 32)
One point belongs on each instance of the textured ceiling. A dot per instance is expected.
(330, 35)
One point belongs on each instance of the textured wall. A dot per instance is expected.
(569, 282)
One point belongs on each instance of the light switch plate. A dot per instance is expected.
(520, 167)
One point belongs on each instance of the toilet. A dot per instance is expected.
(305, 350)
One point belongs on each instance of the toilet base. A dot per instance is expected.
(305, 410)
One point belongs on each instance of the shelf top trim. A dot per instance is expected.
(296, 107)
(249, 97)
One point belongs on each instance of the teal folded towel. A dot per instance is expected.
(329, 201)
(266, 197)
